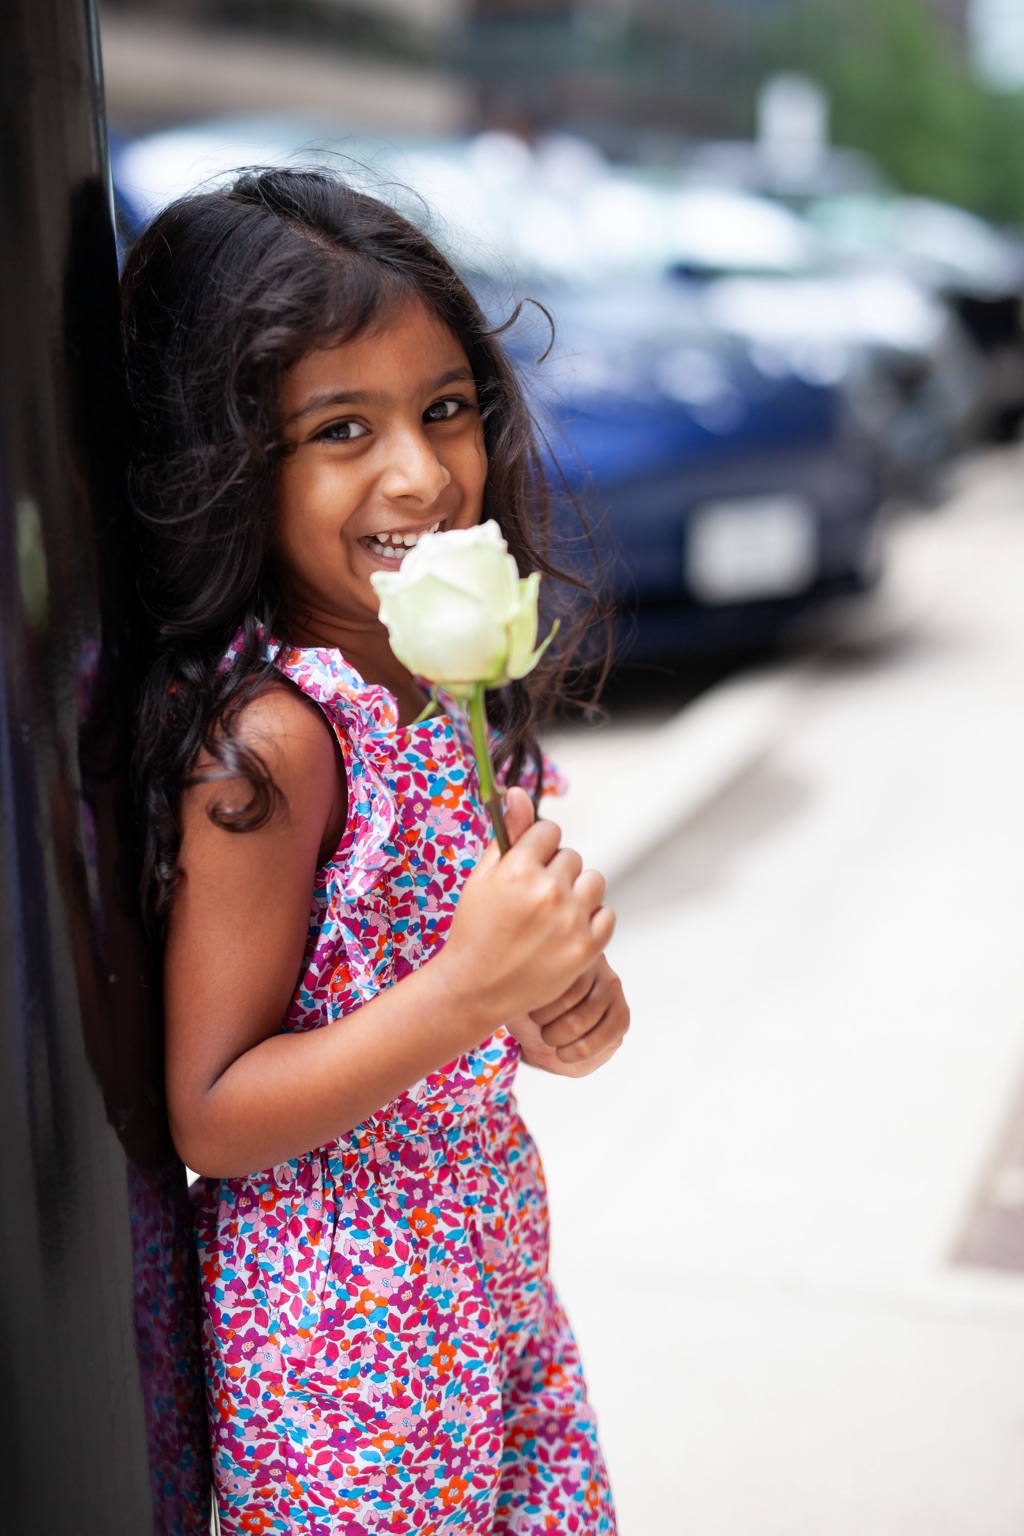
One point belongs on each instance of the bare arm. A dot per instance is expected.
(242, 1095)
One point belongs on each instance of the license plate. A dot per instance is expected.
(751, 548)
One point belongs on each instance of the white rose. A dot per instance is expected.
(457, 611)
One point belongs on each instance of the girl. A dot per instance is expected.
(313, 388)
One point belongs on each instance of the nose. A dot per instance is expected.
(413, 470)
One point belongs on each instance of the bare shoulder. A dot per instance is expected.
(292, 739)
(286, 728)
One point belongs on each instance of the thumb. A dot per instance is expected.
(519, 813)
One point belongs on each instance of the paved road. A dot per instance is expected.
(756, 1206)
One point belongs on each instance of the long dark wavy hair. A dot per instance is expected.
(222, 294)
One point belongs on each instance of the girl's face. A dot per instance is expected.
(388, 445)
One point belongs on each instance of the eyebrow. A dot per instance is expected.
(328, 398)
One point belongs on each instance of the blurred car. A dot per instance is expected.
(910, 369)
(947, 252)
(975, 268)
(729, 496)
(733, 482)
(912, 378)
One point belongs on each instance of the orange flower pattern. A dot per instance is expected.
(384, 1350)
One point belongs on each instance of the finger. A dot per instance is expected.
(569, 999)
(489, 857)
(539, 843)
(519, 813)
(575, 1023)
(589, 889)
(602, 926)
(566, 866)
(586, 1067)
(608, 1033)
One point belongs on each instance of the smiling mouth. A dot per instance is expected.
(395, 546)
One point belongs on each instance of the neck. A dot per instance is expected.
(365, 646)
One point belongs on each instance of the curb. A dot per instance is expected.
(687, 763)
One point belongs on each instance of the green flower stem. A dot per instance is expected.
(429, 709)
(488, 789)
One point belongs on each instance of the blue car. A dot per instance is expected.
(729, 492)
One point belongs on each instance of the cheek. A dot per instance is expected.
(476, 469)
(311, 502)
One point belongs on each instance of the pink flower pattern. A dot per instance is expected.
(384, 1350)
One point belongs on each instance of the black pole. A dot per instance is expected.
(100, 1380)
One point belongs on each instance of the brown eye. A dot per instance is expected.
(341, 432)
(444, 410)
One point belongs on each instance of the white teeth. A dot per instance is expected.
(391, 546)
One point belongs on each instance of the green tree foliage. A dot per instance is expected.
(902, 90)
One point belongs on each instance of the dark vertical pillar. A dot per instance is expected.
(99, 1379)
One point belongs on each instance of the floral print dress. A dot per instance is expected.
(384, 1350)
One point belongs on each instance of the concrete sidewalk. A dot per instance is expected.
(755, 1206)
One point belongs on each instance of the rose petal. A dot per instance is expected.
(474, 559)
(438, 631)
(522, 627)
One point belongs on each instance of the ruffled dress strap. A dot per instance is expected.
(365, 721)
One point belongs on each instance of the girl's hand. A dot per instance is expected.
(527, 926)
(581, 1030)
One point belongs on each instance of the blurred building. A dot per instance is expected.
(378, 64)
(617, 70)
(402, 24)
(608, 66)
(611, 66)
